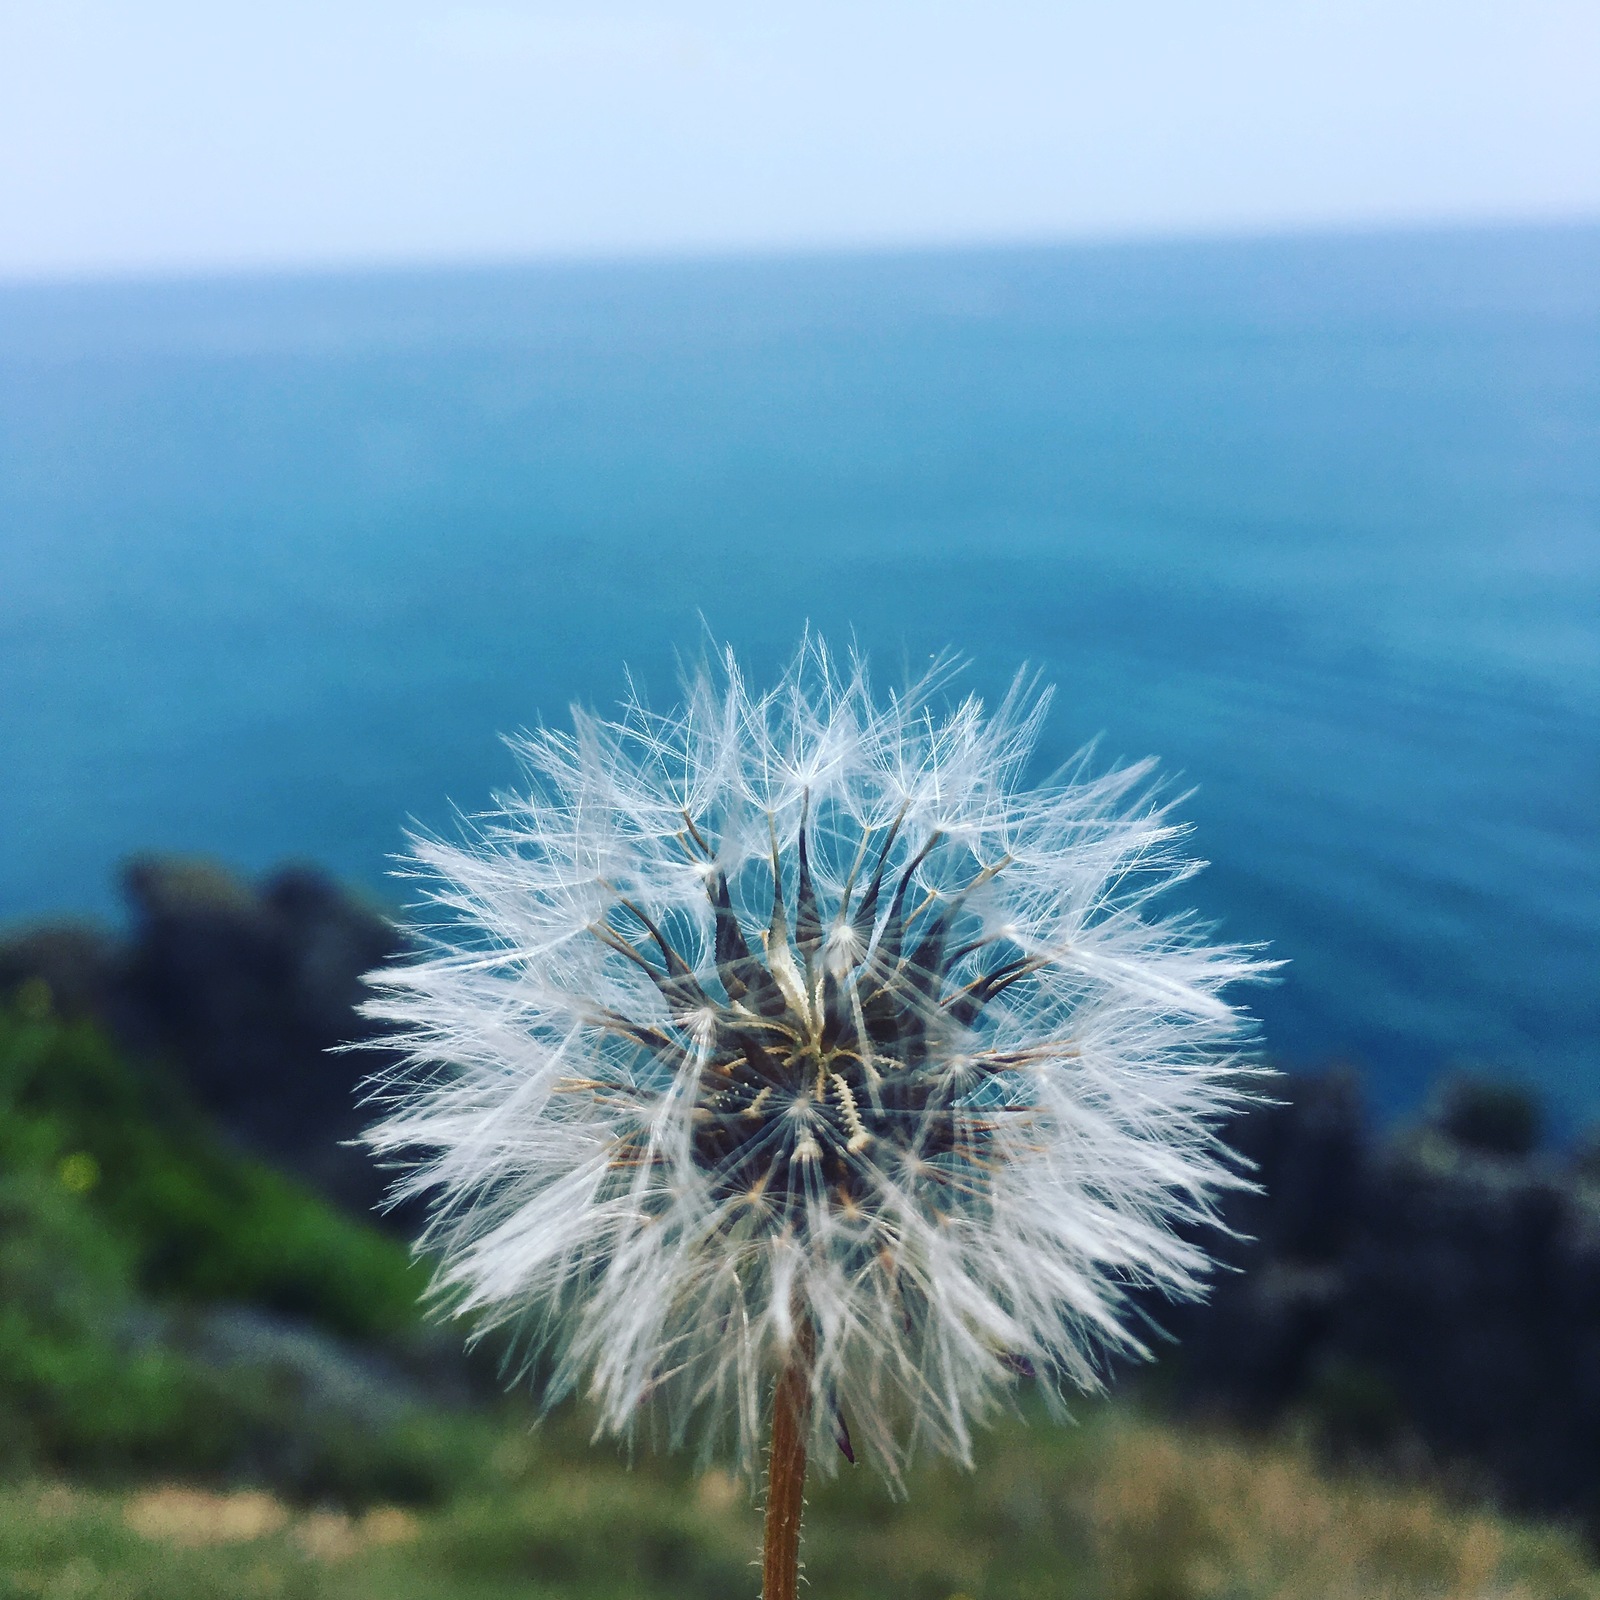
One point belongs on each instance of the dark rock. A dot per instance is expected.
(1449, 1289)
(1254, 1347)
(248, 989)
(1435, 1291)
(1498, 1119)
(1309, 1150)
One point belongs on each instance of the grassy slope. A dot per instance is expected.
(122, 1216)
(1119, 1509)
(180, 1216)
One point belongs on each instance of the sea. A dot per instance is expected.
(1314, 519)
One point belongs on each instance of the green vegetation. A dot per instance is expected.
(1118, 1509)
(190, 1218)
(121, 1218)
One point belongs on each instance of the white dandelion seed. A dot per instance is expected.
(788, 1038)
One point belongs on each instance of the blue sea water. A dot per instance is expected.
(1316, 520)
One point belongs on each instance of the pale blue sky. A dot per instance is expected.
(182, 135)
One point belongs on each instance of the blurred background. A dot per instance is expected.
(375, 381)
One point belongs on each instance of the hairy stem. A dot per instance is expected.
(786, 1471)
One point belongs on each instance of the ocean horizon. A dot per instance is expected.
(1315, 519)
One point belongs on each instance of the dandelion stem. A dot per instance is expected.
(786, 1471)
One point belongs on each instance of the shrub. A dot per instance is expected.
(122, 1217)
(192, 1218)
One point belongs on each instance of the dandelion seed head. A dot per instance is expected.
(798, 1007)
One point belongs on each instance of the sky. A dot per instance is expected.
(184, 135)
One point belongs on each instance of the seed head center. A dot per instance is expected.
(830, 1063)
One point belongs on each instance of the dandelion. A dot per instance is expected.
(783, 1068)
